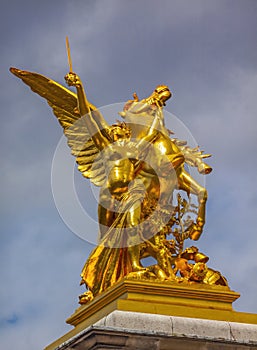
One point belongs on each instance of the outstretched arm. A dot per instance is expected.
(72, 79)
(93, 127)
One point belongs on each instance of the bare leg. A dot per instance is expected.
(133, 220)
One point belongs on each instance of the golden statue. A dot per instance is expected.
(138, 166)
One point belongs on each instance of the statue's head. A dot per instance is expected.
(162, 94)
(198, 272)
(120, 131)
(158, 97)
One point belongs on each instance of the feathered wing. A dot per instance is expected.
(64, 105)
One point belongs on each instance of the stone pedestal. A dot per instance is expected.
(147, 315)
(140, 331)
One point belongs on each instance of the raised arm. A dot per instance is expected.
(72, 79)
(93, 119)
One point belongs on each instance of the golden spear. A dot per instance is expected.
(68, 54)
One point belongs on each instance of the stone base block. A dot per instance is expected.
(140, 331)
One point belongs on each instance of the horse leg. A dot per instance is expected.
(188, 184)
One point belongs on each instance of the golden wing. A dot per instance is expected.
(64, 105)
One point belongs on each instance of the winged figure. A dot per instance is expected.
(138, 166)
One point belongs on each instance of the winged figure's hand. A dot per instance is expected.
(72, 79)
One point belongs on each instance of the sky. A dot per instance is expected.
(206, 52)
